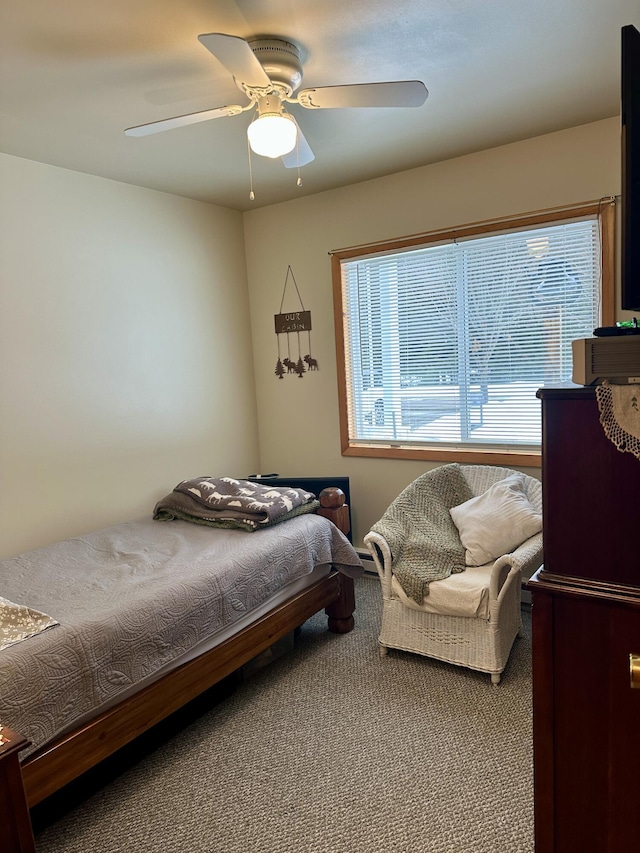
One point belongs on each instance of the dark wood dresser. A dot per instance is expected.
(586, 630)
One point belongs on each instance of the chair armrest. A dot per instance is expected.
(380, 552)
(527, 556)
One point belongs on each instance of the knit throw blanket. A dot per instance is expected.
(424, 541)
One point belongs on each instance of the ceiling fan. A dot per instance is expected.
(269, 72)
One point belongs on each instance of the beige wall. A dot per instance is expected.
(125, 353)
(125, 341)
(298, 418)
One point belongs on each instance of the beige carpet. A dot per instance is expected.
(330, 749)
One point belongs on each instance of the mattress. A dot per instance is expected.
(139, 598)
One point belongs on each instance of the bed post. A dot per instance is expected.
(333, 506)
(16, 835)
(340, 611)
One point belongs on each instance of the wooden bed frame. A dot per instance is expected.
(25, 784)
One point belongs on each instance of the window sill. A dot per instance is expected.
(463, 455)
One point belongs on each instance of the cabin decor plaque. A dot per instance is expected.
(289, 327)
(295, 321)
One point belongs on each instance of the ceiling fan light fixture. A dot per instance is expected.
(272, 134)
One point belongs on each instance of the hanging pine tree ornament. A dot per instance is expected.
(289, 323)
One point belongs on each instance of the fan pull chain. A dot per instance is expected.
(299, 181)
(251, 192)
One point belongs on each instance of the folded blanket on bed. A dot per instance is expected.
(18, 622)
(226, 502)
(425, 543)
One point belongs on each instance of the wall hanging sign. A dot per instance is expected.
(289, 327)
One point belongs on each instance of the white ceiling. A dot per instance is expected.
(75, 73)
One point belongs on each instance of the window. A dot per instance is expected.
(443, 340)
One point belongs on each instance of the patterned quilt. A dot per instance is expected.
(18, 622)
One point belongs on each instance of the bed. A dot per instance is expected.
(198, 603)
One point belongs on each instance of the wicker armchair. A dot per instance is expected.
(482, 641)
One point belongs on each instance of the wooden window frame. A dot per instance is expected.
(603, 209)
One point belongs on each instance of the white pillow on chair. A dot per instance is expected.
(496, 522)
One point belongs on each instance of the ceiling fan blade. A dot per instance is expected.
(405, 93)
(182, 121)
(301, 154)
(237, 57)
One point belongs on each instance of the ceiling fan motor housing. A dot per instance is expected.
(280, 60)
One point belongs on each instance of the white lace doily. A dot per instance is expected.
(620, 415)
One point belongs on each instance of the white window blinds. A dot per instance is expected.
(446, 344)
